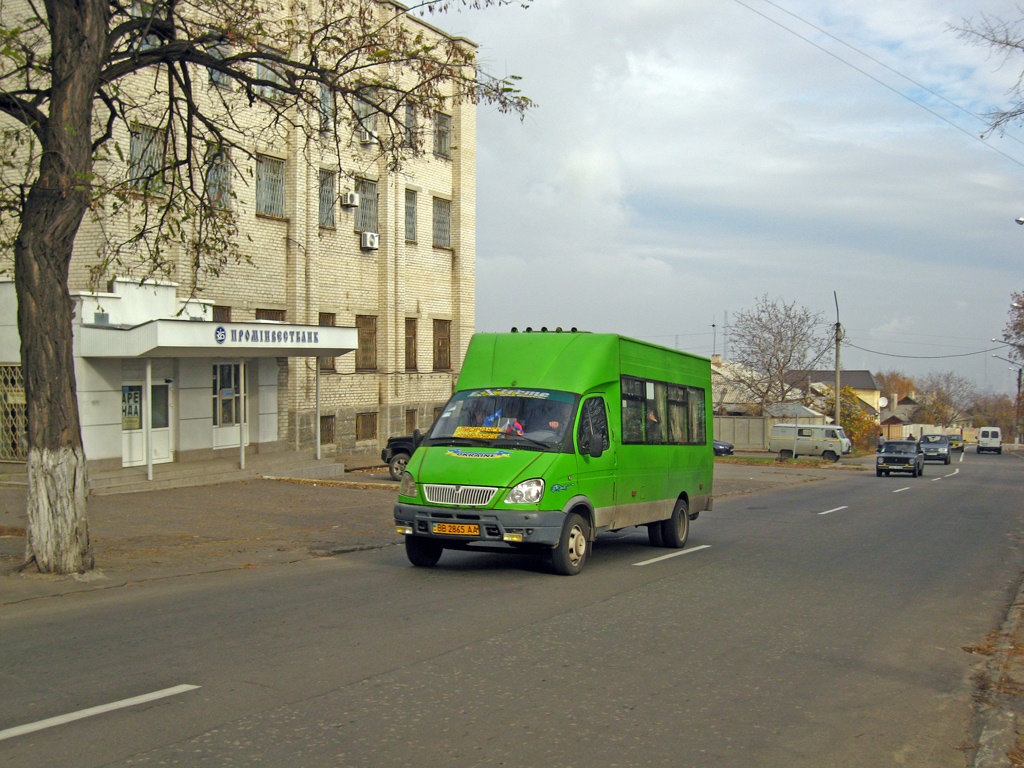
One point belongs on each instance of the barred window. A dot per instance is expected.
(269, 186)
(218, 178)
(326, 430)
(442, 135)
(442, 345)
(442, 222)
(410, 421)
(366, 426)
(366, 213)
(410, 214)
(146, 155)
(327, 198)
(410, 343)
(366, 333)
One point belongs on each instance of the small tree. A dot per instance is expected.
(176, 88)
(947, 399)
(771, 341)
(858, 423)
(896, 383)
(995, 410)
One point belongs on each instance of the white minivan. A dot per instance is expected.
(990, 439)
(791, 440)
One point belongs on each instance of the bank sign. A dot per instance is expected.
(265, 336)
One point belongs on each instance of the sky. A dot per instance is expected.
(686, 157)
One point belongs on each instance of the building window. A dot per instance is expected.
(442, 222)
(366, 426)
(366, 213)
(269, 186)
(221, 314)
(277, 315)
(147, 152)
(326, 108)
(366, 119)
(219, 51)
(438, 410)
(442, 345)
(410, 421)
(410, 126)
(326, 430)
(410, 214)
(327, 198)
(148, 40)
(269, 76)
(218, 178)
(410, 343)
(366, 353)
(327, 319)
(442, 135)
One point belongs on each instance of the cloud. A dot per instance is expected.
(687, 157)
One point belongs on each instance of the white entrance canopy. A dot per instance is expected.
(189, 338)
(199, 339)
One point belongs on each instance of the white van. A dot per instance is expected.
(824, 440)
(990, 439)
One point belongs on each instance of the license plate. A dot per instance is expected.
(457, 529)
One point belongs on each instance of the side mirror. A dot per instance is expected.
(592, 446)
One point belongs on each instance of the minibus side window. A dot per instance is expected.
(593, 425)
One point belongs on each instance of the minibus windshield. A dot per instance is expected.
(536, 419)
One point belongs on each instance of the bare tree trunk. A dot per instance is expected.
(58, 532)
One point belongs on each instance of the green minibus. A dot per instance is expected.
(553, 437)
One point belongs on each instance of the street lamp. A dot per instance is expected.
(1016, 403)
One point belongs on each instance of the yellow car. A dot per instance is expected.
(956, 443)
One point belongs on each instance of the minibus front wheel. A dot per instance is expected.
(573, 546)
(423, 552)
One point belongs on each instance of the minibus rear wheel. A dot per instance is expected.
(573, 546)
(676, 530)
(422, 552)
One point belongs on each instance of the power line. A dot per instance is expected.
(882, 83)
(922, 357)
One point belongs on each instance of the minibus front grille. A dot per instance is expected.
(460, 495)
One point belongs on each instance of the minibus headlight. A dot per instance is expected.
(408, 485)
(527, 492)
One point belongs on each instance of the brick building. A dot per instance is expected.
(330, 234)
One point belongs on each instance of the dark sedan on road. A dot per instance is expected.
(723, 448)
(936, 448)
(900, 456)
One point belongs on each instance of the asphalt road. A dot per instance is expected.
(815, 625)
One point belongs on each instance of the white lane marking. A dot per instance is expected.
(954, 472)
(677, 553)
(20, 730)
(939, 477)
(830, 511)
(901, 490)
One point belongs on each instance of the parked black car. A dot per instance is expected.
(396, 454)
(900, 456)
(723, 448)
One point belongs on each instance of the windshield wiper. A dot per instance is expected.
(516, 440)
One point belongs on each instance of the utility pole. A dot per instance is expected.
(839, 337)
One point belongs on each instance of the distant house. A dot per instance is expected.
(863, 383)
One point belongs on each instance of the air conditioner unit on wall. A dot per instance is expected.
(366, 136)
(369, 241)
(350, 199)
